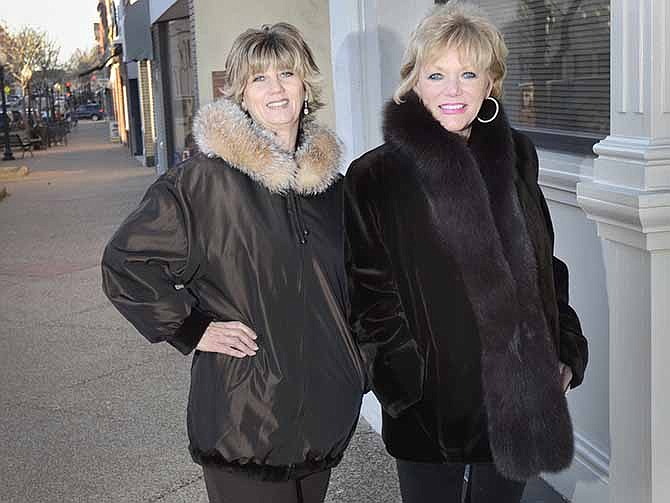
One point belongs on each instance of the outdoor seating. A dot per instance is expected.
(57, 133)
(39, 136)
(18, 142)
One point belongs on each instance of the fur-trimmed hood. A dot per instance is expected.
(222, 129)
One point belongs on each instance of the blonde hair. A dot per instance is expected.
(460, 26)
(279, 46)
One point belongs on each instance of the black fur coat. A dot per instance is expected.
(458, 304)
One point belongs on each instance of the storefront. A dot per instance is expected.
(174, 85)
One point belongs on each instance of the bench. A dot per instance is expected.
(16, 142)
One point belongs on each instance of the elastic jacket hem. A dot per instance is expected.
(267, 473)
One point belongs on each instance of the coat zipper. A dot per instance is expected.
(297, 220)
(301, 232)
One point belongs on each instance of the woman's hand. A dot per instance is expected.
(231, 338)
(566, 376)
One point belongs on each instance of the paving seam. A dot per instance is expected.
(109, 374)
(181, 485)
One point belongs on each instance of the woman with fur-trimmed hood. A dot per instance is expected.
(459, 307)
(238, 254)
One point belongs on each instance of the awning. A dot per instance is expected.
(167, 10)
(136, 31)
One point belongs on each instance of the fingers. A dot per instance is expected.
(232, 338)
(566, 376)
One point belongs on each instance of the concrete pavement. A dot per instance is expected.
(89, 411)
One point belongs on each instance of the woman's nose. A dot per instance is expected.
(276, 85)
(453, 86)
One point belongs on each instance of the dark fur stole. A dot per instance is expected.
(470, 188)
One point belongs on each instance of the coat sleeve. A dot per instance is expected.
(393, 362)
(574, 349)
(147, 265)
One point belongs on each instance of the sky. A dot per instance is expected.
(69, 23)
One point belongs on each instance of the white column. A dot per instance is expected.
(629, 198)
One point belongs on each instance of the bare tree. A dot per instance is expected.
(82, 60)
(48, 65)
(24, 49)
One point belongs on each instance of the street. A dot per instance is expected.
(91, 412)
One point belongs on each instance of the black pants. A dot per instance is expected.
(445, 483)
(225, 487)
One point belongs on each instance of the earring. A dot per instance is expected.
(495, 102)
(305, 110)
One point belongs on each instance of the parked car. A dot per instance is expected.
(91, 111)
(12, 100)
(15, 120)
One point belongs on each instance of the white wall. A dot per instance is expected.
(219, 22)
(368, 38)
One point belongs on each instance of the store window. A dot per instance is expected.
(557, 88)
(182, 88)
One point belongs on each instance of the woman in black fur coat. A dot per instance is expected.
(460, 309)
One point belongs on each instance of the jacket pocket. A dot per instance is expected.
(398, 377)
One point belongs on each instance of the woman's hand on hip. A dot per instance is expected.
(566, 376)
(231, 338)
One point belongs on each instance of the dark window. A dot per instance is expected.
(557, 87)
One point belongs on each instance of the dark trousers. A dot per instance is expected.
(225, 487)
(446, 483)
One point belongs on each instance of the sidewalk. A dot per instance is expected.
(90, 410)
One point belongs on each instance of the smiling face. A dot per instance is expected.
(453, 90)
(274, 99)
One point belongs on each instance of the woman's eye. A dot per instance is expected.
(469, 75)
(258, 78)
(435, 76)
(287, 74)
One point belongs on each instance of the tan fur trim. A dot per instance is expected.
(222, 129)
(319, 158)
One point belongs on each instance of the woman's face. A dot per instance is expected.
(274, 99)
(453, 90)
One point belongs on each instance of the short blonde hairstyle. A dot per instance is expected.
(279, 46)
(460, 26)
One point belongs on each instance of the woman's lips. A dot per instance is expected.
(452, 108)
(277, 104)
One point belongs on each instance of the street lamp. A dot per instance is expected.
(7, 156)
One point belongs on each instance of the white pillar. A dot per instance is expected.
(629, 198)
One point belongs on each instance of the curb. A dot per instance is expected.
(12, 172)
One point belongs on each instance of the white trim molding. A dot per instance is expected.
(560, 172)
(642, 163)
(596, 460)
(628, 216)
